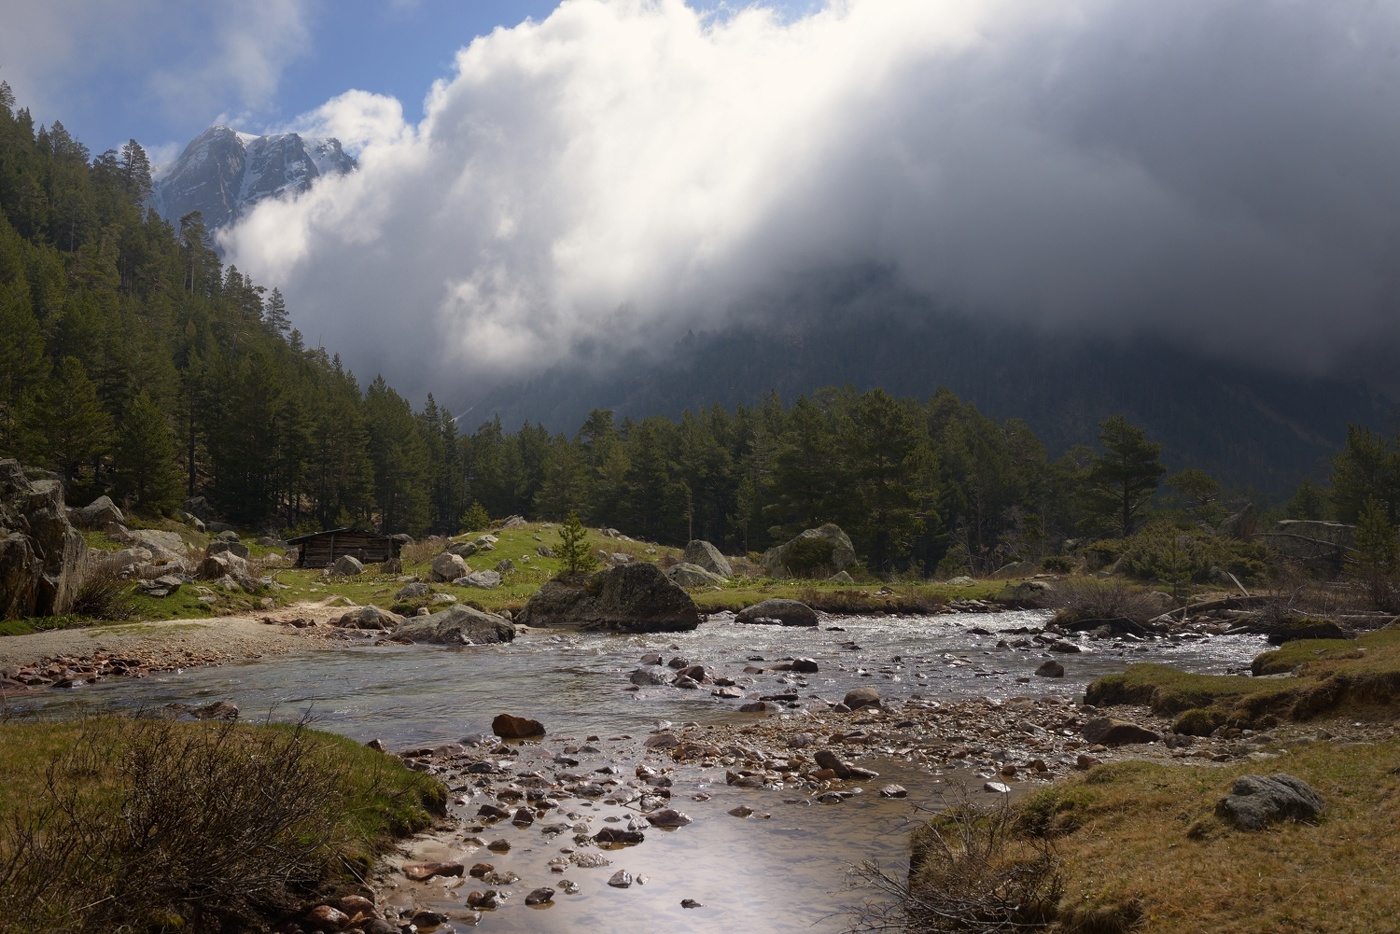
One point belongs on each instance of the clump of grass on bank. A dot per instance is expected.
(1329, 675)
(145, 825)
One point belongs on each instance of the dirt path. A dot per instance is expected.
(177, 643)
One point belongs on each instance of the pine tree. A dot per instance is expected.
(145, 455)
(574, 556)
(1122, 479)
(68, 425)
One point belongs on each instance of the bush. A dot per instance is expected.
(1058, 564)
(142, 825)
(1092, 598)
(970, 870)
(103, 594)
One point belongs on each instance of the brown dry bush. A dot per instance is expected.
(145, 825)
(971, 869)
(1094, 598)
(423, 550)
(103, 594)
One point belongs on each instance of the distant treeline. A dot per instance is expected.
(133, 362)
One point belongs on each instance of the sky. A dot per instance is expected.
(543, 182)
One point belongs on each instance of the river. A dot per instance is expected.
(784, 869)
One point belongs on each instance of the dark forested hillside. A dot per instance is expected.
(1248, 426)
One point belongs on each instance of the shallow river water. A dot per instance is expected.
(787, 871)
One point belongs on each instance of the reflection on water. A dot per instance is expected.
(784, 873)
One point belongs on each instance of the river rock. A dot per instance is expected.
(348, 566)
(421, 872)
(668, 817)
(826, 759)
(98, 514)
(648, 677)
(540, 896)
(1051, 669)
(616, 836)
(779, 612)
(856, 698)
(457, 625)
(509, 726)
(1258, 800)
(448, 567)
(368, 617)
(620, 879)
(1111, 732)
(827, 547)
(42, 557)
(325, 916)
(805, 666)
(635, 597)
(692, 575)
(706, 556)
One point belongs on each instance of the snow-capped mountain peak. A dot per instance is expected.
(222, 173)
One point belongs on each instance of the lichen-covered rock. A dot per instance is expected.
(635, 597)
(1258, 800)
(448, 567)
(778, 612)
(42, 557)
(692, 575)
(824, 549)
(702, 554)
(457, 625)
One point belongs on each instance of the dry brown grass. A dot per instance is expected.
(1143, 837)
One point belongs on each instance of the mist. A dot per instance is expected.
(1222, 173)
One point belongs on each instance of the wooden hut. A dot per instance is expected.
(322, 548)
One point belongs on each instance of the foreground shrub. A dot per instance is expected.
(970, 869)
(1094, 598)
(140, 825)
(103, 594)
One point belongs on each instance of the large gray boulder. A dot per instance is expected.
(815, 552)
(223, 564)
(693, 575)
(42, 557)
(457, 625)
(99, 514)
(368, 617)
(631, 598)
(703, 554)
(485, 580)
(448, 567)
(778, 612)
(237, 548)
(348, 566)
(1258, 800)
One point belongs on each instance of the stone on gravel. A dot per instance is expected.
(509, 726)
(856, 698)
(368, 617)
(1111, 732)
(1258, 800)
(1051, 669)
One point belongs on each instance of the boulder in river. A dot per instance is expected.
(634, 597)
(778, 612)
(457, 625)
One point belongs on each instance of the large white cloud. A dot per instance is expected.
(625, 170)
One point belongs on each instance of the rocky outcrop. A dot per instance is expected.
(632, 598)
(165, 547)
(816, 551)
(457, 625)
(42, 557)
(778, 612)
(702, 554)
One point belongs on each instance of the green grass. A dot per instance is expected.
(1332, 676)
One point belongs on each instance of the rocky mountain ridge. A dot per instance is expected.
(224, 173)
